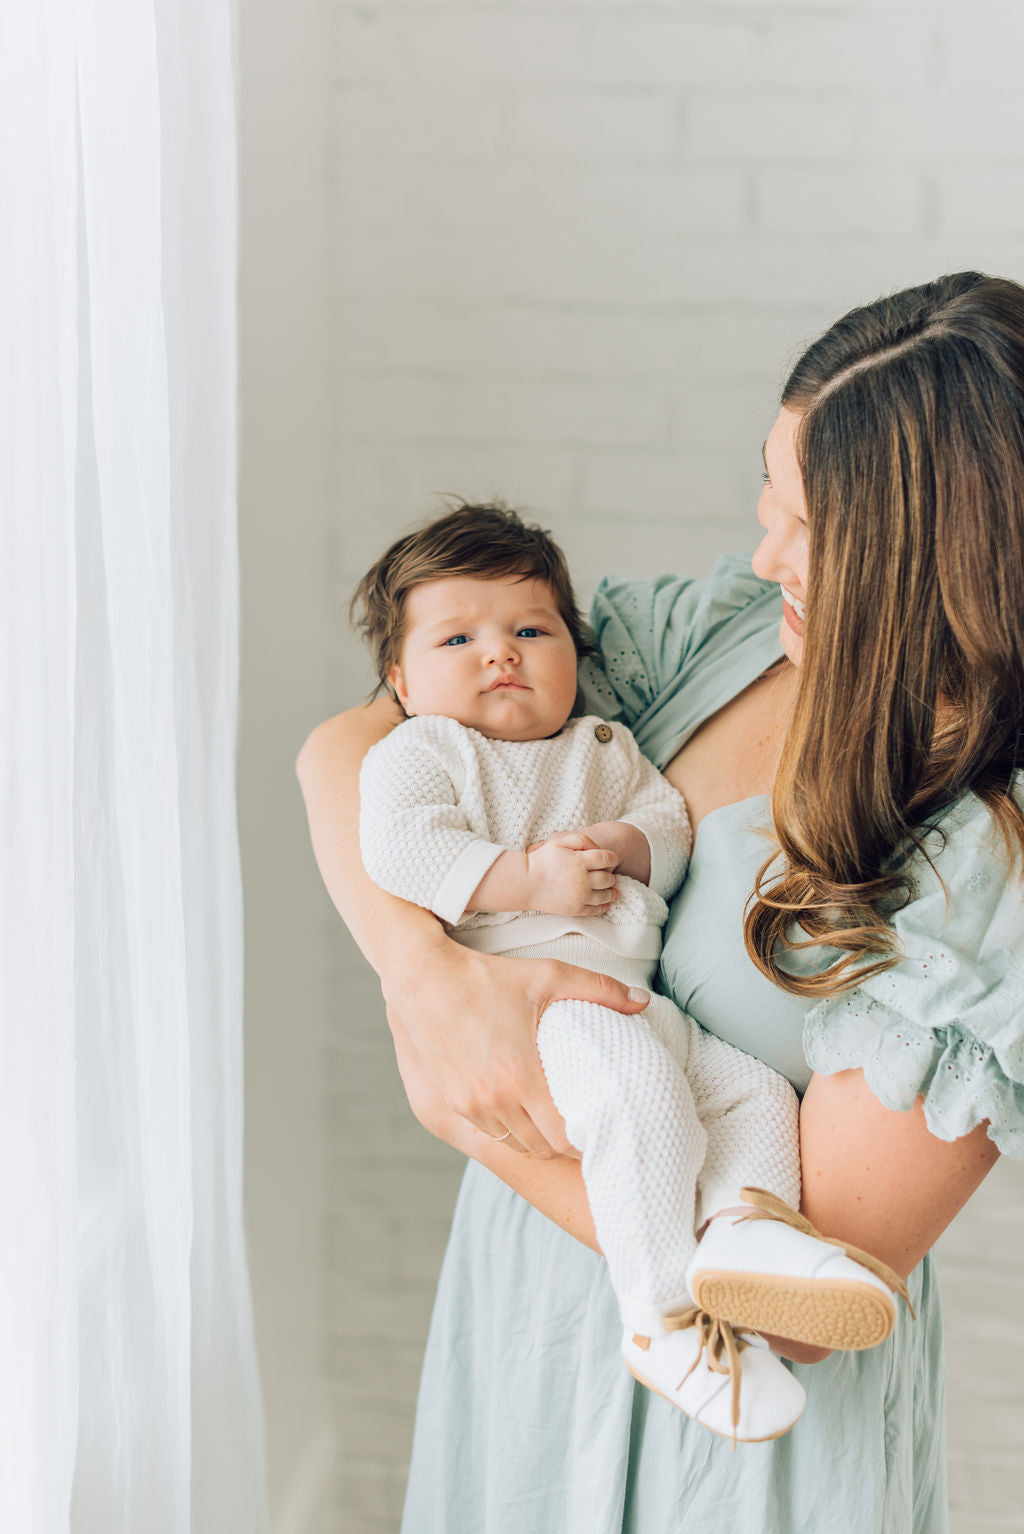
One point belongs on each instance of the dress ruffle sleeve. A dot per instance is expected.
(670, 648)
(946, 1022)
(633, 627)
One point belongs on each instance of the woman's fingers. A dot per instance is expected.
(541, 1129)
(566, 981)
(525, 1137)
(527, 1123)
(507, 1139)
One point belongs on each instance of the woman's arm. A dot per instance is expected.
(878, 1178)
(473, 1017)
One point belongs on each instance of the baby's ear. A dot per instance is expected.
(396, 682)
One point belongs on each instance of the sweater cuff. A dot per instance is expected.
(656, 841)
(462, 878)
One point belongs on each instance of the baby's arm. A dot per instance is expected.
(653, 832)
(568, 875)
(414, 837)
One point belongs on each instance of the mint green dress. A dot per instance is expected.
(528, 1422)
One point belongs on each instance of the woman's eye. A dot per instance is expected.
(764, 476)
(458, 639)
(528, 633)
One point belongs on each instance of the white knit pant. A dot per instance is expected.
(671, 1122)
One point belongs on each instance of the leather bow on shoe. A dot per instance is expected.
(770, 1207)
(718, 1344)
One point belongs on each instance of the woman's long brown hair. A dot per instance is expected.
(911, 446)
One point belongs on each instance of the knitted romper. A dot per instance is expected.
(671, 1122)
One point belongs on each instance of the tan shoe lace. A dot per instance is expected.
(720, 1346)
(769, 1207)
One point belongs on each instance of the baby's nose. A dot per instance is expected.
(502, 652)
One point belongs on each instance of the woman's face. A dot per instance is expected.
(782, 512)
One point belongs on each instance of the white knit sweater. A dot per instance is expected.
(440, 802)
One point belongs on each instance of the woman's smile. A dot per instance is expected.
(792, 610)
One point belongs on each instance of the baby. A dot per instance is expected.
(532, 833)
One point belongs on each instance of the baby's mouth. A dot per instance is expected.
(506, 681)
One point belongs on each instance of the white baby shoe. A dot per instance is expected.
(732, 1384)
(771, 1271)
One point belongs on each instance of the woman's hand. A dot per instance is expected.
(465, 1028)
(425, 1097)
(553, 1185)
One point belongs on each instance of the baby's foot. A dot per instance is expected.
(732, 1384)
(770, 1270)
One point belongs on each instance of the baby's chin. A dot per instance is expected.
(511, 728)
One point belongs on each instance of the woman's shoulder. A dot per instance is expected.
(947, 1021)
(688, 606)
(652, 632)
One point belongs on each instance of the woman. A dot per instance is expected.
(872, 744)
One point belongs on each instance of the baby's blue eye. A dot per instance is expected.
(528, 633)
(458, 639)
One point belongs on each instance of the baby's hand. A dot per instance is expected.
(571, 876)
(629, 844)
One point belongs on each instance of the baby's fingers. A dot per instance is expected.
(601, 879)
(600, 857)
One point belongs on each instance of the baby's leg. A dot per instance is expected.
(775, 1274)
(629, 1110)
(621, 1085)
(751, 1116)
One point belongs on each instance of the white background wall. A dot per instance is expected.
(561, 251)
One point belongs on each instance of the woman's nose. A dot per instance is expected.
(768, 556)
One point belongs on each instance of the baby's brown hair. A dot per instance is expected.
(486, 541)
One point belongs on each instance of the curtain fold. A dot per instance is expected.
(129, 1396)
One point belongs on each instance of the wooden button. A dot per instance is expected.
(603, 733)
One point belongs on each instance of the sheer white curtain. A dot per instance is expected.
(129, 1399)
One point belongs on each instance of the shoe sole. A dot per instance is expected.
(717, 1431)
(827, 1313)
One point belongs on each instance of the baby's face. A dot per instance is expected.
(494, 654)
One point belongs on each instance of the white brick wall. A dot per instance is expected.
(570, 246)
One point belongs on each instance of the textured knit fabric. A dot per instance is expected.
(621, 1085)
(660, 1108)
(672, 1123)
(439, 802)
(527, 1424)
